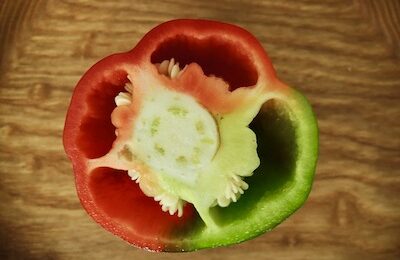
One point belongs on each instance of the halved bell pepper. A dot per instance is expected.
(189, 140)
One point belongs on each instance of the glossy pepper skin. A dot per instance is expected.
(285, 127)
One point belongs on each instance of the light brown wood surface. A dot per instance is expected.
(344, 55)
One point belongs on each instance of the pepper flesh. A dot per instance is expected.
(259, 209)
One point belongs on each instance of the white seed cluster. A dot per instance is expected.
(167, 67)
(170, 68)
(234, 188)
(135, 176)
(125, 98)
(168, 202)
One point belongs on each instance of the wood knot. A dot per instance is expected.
(39, 91)
(290, 240)
(85, 45)
(6, 131)
(33, 164)
(343, 210)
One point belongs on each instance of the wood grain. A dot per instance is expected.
(344, 55)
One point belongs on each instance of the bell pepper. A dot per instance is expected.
(189, 140)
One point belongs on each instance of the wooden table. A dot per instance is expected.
(344, 55)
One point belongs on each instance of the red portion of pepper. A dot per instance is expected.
(124, 201)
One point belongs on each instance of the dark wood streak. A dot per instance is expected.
(385, 15)
(362, 142)
(343, 54)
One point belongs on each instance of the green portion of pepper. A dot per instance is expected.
(287, 138)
